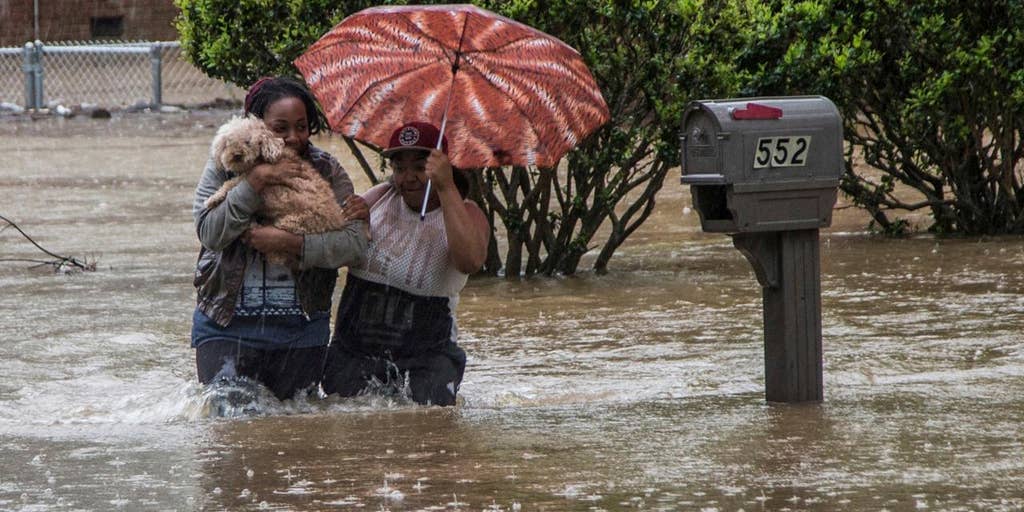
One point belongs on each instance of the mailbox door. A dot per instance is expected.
(701, 158)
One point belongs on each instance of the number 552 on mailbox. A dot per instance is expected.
(762, 164)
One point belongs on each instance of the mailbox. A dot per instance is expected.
(766, 171)
(762, 164)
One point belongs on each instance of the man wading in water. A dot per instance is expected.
(396, 320)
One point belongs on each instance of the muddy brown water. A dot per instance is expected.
(639, 389)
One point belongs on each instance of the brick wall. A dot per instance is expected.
(78, 20)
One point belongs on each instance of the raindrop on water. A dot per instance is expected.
(455, 502)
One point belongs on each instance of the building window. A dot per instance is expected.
(110, 26)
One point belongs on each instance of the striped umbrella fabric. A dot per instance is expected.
(510, 94)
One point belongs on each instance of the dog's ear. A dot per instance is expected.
(271, 146)
(220, 140)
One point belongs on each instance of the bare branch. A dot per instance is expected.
(59, 261)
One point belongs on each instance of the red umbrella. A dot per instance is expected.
(505, 93)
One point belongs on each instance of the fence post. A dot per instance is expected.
(39, 71)
(156, 61)
(28, 66)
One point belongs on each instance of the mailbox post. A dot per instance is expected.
(766, 171)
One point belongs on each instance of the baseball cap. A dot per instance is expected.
(415, 135)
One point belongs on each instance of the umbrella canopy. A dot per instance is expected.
(513, 95)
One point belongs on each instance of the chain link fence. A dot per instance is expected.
(114, 75)
(12, 77)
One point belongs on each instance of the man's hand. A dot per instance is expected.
(267, 239)
(439, 170)
(356, 209)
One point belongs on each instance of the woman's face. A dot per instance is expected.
(409, 177)
(286, 117)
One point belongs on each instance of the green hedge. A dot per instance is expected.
(932, 95)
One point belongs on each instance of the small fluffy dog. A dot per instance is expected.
(305, 205)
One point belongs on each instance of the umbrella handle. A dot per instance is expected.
(426, 198)
(440, 138)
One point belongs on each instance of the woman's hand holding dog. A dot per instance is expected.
(268, 239)
(273, 174)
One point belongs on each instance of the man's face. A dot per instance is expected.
(409, 176)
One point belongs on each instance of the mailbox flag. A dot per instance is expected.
(757, 111)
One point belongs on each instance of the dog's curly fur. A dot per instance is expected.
(305, 204)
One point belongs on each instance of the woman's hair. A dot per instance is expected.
(267, 90)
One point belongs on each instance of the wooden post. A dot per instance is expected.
(788, 267)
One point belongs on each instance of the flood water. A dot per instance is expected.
(641, 389)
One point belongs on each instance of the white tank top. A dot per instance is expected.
(408, 253)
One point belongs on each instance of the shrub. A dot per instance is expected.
(932, 95)
(241, 40)
(649, 59)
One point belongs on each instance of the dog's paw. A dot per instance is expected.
(213, 200)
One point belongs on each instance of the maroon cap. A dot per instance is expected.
(415, 135)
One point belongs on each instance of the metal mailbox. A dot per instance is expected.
(766, 171)
(762, 164)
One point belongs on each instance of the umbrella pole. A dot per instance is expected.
(440, 136)
(447, 103)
